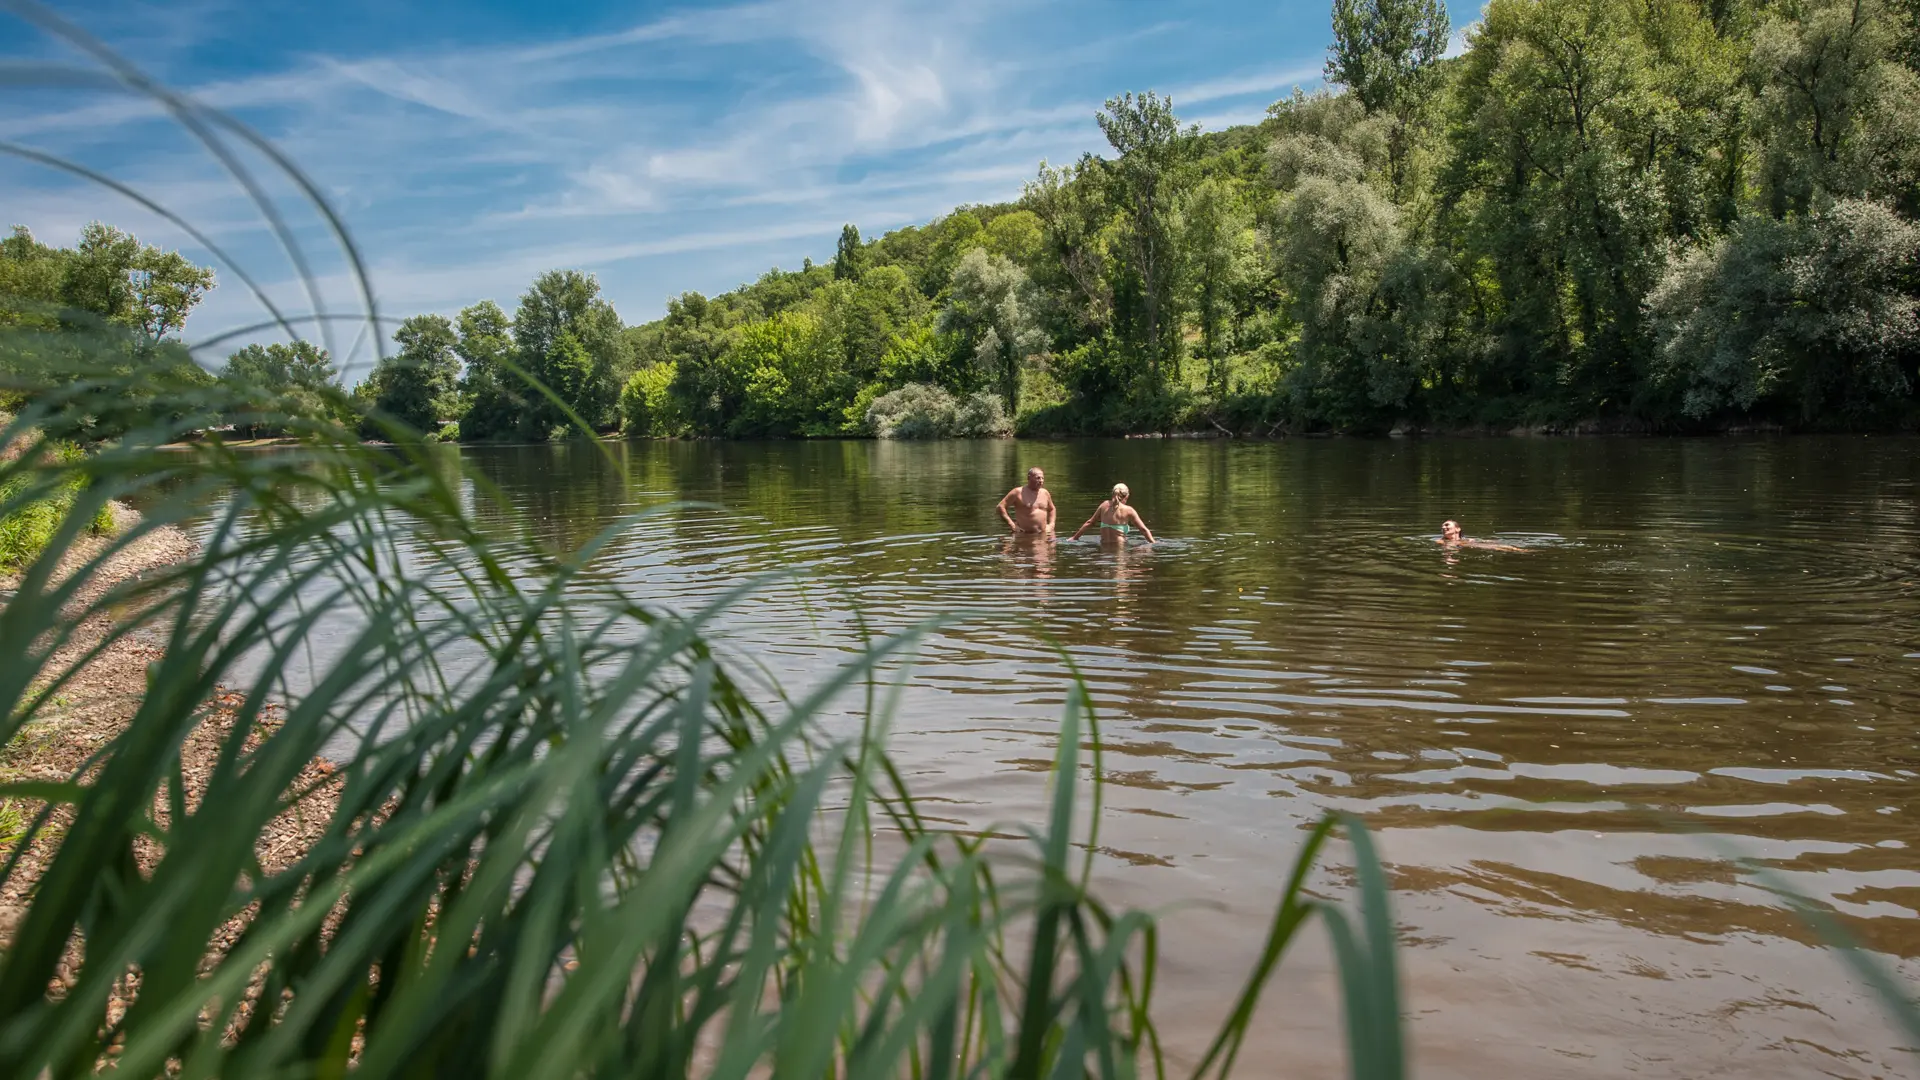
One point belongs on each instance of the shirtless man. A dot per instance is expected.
(1450, 537)
(1032, 505)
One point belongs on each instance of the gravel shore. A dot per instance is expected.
(93, 707)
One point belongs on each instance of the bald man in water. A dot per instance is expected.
(1031, 506)
(1450, 537)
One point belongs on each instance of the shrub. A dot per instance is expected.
(980, 415)
(1803, 316)
(915, 411)
(648, 407)
(919, 411)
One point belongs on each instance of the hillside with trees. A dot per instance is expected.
(1661, 215)
(1658, 215)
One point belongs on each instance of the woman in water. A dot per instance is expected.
(1116, 518)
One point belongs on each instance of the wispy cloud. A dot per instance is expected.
(1261, 83)
(686, 149)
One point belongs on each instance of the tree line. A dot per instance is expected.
(1642, 214)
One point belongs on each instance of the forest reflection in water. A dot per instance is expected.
(1708, 647)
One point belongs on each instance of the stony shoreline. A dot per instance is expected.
(94, 706)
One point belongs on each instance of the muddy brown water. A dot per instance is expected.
(1709, 648)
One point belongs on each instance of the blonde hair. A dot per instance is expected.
(1121, 493)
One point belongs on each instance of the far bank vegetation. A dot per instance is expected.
(1620, 214)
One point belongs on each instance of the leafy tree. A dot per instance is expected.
(1796, 318)
(861, 320)
(780, 290)
(775, 367)
(419, 385)
(107, 279)
(914, 356)
(282, 382)
(992, 315)
(113, 275)
(1837, 105)
(493, 395)
(647, 405)
(1384, 51)
(1150, 146)
(1336, 239)
(1561, 155)
(570, 339)
(109, 304)
(1018, 236)
(1218, 263)
(1070, 203)
(850, 259)
(953, 236)
(30, 281)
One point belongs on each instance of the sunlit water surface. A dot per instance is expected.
(1708, 648)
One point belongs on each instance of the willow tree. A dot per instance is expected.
(993, 312)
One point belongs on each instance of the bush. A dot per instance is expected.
(928, 412)
(856, 414)
(919, 411)
(1801, 317)
(915, 411)
(648, 408)
(980, 415)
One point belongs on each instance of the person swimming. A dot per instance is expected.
(1116, 519)
(1450, 537)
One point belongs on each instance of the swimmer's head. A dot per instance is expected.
(1036, 477)
(1449, 530)
(1120, 493)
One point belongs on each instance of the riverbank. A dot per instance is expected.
(96, 703)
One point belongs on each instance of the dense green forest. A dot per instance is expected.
(1628, 214)
(1637, 213)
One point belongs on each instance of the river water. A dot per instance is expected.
(1708, 648)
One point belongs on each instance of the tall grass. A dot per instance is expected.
(31, 507)
(558, 838)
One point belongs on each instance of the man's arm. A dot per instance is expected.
(1051, 511)
(1002, 507)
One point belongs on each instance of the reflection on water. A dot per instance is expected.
(1708, 647)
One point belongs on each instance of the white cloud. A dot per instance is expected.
(1271, 83)
(678, 152)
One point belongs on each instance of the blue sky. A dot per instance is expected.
(663, 147)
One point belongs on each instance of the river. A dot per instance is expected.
(1708, 647)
